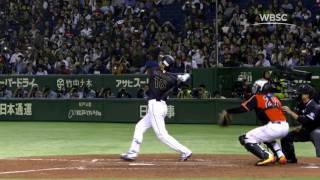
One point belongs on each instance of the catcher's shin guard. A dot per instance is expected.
(254, 148)
(265, 157)
(270, 146)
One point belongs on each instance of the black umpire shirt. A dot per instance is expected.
(309, 115)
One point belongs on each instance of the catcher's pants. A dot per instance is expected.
(268, 132)
(157, 111)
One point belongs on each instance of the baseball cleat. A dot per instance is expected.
(282, 160)
(129, 156)
(264, 162)
(185, 156)
(292, 161)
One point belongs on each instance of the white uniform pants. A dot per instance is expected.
(154, 118)
(267, 133)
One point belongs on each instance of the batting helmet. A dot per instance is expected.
(168, 61)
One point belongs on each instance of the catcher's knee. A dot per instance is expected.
(242, 139)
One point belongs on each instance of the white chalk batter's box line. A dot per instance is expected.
(195, 162)
(80, 168)
(88, 169)
(160, 161)
(134, 166)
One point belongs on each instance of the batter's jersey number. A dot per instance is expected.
(160, 83)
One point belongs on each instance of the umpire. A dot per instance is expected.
(307, 114)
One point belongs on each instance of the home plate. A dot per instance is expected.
(94, 160)
(141, 164)
(311, 167)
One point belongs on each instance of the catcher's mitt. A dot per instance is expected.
(224, 118)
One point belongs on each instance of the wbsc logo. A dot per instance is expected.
(273, 19)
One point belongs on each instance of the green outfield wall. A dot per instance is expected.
(131, 82)
(217, 79)
(118, 110)
(222, 80)
(115, 110)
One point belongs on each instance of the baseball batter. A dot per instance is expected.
(161, 83)
(275, 126)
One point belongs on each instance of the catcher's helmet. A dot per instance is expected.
(261, 86)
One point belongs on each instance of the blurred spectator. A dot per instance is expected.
(143, 92)
(75, 93)
(20, 92)
(63, 93)
(262, 61)
(281, 90)
(3, 67)
(41, 70)
(242, 88)
(35, 92)
(122, 93)
(88, 92)
(217, 95)
(4, 92)
(105, 93)
(49, 93)
(184, 93)
(200, 92)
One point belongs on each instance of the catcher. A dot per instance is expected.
(275, 126)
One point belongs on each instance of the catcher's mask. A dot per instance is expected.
(261, 86)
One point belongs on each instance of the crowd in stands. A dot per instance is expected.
(243, 44)
(42, 37)
(94, 36)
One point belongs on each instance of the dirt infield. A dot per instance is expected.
(151, 166)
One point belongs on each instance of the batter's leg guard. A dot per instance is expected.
(315, 137)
